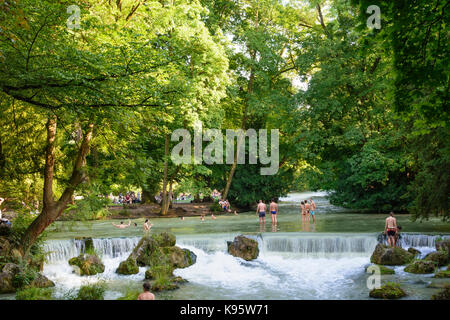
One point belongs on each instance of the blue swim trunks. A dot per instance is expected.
(262, 214)
(273, 212)
(312, 212)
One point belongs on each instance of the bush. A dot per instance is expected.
(130, 295)
(23, 278)
(91, 207)
(91, 292)
(34, 294)
(215, 207)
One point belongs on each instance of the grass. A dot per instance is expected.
(34, 294)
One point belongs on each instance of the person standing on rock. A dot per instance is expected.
(261, 211)
(146, 295)
(273, 207)
(390, 229)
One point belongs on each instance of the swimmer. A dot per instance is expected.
(121, 225)
(273, 207)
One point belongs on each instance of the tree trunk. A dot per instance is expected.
(53, 209)
(164, 206)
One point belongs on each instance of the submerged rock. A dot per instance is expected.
(244, 248)
(420, 266)
(442, 274)
(440, 258)
(388, 291)
(390, 256)
(87, 264)
(383, 269)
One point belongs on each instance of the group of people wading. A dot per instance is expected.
(308, 210)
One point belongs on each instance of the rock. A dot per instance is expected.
(158, 271)
(420, 266)
(164, 239)
(41, 281)
(443, 245)
(438, 285)
(88, 264)
(442, 295)
(128, 266)
(243, 247)
(383, 269)
(390, 256)
(179, 280)
(179, 258)
(6, 284)
(440, 258)
(388, 291)
(413, 251)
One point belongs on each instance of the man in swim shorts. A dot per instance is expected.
(273, 207)
(390, 229)
(261, 211)
(313, 209)
(307, 208)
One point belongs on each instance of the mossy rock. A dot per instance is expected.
(442, 295)
(384, 255)
(179, 258)
(87, 264)
(440, 258)
(442, 274)
(388, 291)
(443, 245)
(164, 239)
(413, 251)
(243, 247)
(127, 267)
(421, 267)
(159, 270)
(383, 269)
(41, 282)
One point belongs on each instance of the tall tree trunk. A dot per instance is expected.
(166, 164)
(243, 126)
(53, 209)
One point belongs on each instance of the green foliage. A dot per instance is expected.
(91, 292)
(130, 295)
(215, 207)
(34, 294)
(91, 207)
(24, 278)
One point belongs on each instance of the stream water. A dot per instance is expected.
(325, 260)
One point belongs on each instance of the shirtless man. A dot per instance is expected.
(147, 226)
(307, 208)
(121, 225)
(261, 211)
(146, 295)
(313, 209)
(390, 228)
(273, 207)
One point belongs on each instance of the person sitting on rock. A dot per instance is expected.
(121, 225)
(146, 295)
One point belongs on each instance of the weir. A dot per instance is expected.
(308, 244)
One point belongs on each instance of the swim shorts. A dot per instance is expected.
(312, 212)
(262, 214)
(391, 232)
(273, 212)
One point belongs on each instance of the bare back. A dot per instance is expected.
(146, 296)
(391, 223)
(261, 207)
(273, 207)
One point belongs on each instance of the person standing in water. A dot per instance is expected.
(273, 207)
(390, 229)
(307, 208)
(261, 211)
(302, 208)
(146, 295)
(313, 209)
(147, 226)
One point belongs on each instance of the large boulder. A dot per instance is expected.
(442, 295)
(413, 251)
(420, 266)
(179, 258)
(388, 291)
(243, 247)
(14, 277)
(443, 245)
(5, 247)
(440, 258)
(41, 281)
(390, 256)
(127, 267)
(87, 264)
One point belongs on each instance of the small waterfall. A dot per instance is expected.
(115, 247)
(419, 240)
(58, 250)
